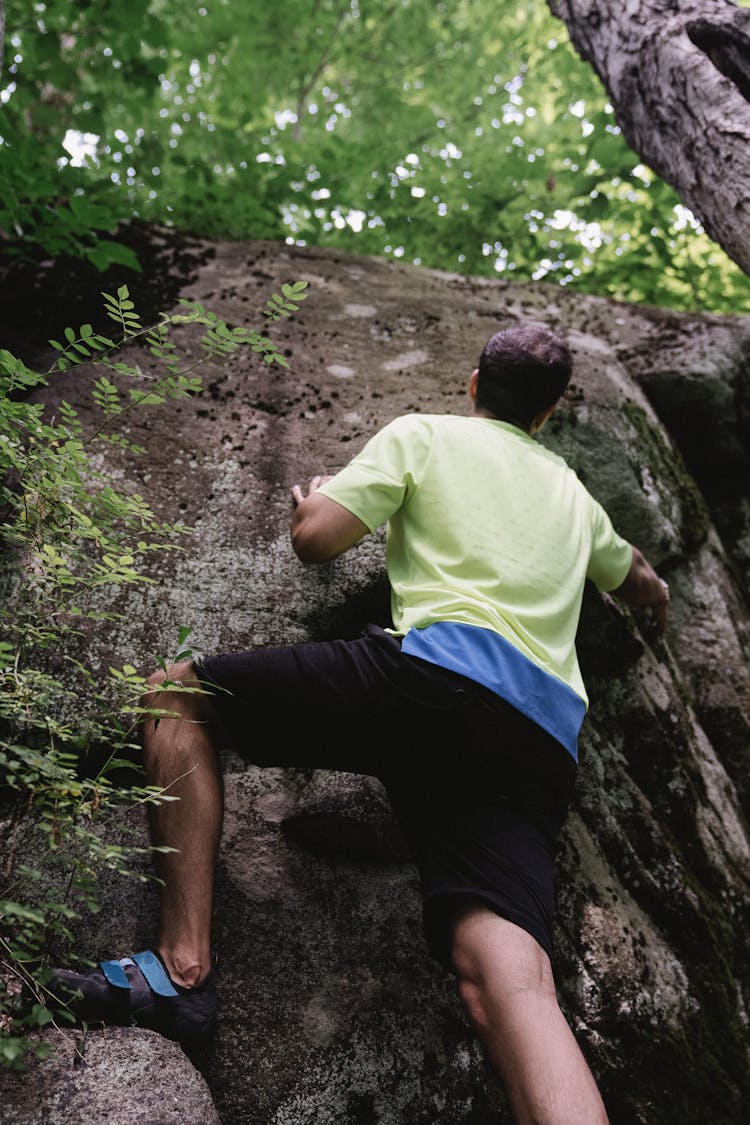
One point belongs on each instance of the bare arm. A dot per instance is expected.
(321, 528)
(643, 586)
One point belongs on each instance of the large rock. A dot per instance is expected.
(118, 1076)
(332, 1012)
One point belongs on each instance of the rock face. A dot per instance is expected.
(332, 1012)
(114, 1076)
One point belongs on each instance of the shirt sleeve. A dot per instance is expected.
(611, 555)
(382, 477)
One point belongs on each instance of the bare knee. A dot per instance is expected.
(473, 996)
(497, 965)
(166, 695)
(183, 673)
(470, 979)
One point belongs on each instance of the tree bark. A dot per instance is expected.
(678, 76)
(2, 36)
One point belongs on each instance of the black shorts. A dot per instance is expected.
(479, 790)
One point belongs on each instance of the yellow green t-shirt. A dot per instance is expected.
(487, 531)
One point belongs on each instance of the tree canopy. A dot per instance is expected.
(466, 136)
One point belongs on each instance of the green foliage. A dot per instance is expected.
(61, 61)
(466, 136)
(70, 540)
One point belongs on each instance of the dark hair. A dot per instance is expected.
(522, 371)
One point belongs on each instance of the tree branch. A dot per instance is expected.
(678, 77)
(2, 36)
(317, 70)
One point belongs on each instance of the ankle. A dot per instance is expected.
(185, 970)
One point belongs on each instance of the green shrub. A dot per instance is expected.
(66, 534)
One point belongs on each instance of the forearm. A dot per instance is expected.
(313, 542)
(644, 587)
(321, 529)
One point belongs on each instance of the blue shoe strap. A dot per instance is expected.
(153, 971)
(115, 974)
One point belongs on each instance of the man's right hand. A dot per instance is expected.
(644, 587)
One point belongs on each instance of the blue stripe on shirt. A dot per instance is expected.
(491, 660)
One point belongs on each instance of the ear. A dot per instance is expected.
(473, 384)
(541, 418)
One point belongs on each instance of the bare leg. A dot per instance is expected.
(506, 983)
(180, 757)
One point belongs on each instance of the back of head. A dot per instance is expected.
(522, 371)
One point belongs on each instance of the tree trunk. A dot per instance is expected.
(2, 35)
(678, 76)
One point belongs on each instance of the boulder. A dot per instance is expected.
(119, 1076)
(331, 1010)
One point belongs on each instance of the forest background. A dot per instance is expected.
(464, 136)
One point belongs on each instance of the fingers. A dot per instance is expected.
(316, 482)
(660, 617)
(660, 609)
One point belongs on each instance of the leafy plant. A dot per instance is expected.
(68, 737)
(466, 136)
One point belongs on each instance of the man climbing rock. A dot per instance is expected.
(468, 709)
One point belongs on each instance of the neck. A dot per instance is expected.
(481, 412)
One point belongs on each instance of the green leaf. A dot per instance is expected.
(115, 253)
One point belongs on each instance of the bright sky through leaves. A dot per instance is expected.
(466, 136)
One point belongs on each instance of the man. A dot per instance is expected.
(468, 710)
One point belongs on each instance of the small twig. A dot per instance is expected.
(16, 820)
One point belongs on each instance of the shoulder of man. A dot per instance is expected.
(406, 427)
